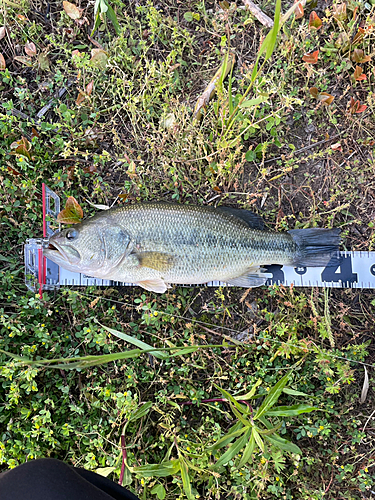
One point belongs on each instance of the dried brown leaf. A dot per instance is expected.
(311, 58)
(89, 87)
(358, 75)
(24, 60)
(2, 62)
(365, 387)
(72, 10)
(30, 49)
(314, 92)
(80, 98)
(325, 98)
(299, 12)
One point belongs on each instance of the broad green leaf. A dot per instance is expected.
(288, 411)
(258, 439)
(234, 449)
(158, 470)
(128, 478)
(253, 102)
(186, 479)
(283, 444)
(159, 490)
(141, 412)
(234, 432)
(250, 394)
(135, 341)
(272, 396)
(248, 451)
(104, 471)
(112, 16)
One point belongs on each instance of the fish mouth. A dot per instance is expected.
(56, 251)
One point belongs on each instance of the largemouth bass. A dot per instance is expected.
(155, 244)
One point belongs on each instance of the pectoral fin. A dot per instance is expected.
(155, 260)
(153, 285)
(254, 277)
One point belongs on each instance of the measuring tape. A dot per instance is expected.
(356, 269)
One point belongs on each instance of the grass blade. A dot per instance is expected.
(135, 341)
(186, 479)
(158, 470)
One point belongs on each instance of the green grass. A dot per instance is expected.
(133, 136)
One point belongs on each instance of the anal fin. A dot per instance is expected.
(253, 278)
(153, 285)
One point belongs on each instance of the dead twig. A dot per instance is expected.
(259, 14)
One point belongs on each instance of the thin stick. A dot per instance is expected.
(259, 14)
(124, 457)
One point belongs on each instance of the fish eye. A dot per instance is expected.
(71, 234)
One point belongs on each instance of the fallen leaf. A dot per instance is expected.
(24, 60)
(72, 213)
(99, 58)
(168, 121)
(2, 32)
(72, 10)
(91, 169)
(315, 22)
(34, 133)
(89, 87)
(123, 196)
(314, 92)
(80, 98)
(336, 147)
(358, 56)
(358, 75)
(365, 387)
(2, 62)
(21, 17)
(12, 171)
(299, 12)
(311, 58)
(325, 98)
(30, 49)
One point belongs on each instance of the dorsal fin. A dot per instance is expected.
(252, 220)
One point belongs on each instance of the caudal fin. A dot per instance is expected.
(316, 247)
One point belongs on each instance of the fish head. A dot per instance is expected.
(94, 247)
